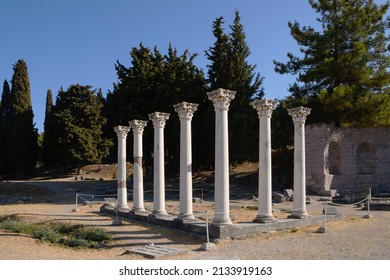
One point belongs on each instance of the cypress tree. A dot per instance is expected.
(22, 140)
(5, 111)
(49, 145)
(230, 69)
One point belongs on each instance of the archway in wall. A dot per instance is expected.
(365, 159)
(333, 162)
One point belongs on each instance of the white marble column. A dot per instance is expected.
(186, 112)
(159, 119)
(121, 132)
(138, 182)
(221, 99)
(264, 109)
(299, 115)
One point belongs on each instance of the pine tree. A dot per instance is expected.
(344, 72)
(78, 126)
(5, 115)
(230, 69)
(22, 136)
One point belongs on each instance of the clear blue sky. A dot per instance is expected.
(66, 42)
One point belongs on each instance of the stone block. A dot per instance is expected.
(208, 247)
(330, 210)
(278, 197)
(288, 193)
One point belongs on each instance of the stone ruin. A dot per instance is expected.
(347, 159)
(221, 99)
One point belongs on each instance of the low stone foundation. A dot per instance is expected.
(217, 231)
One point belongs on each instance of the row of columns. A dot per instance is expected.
(221, 99)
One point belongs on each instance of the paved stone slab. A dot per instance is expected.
(155, 251)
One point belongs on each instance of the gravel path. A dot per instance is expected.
(350, 237)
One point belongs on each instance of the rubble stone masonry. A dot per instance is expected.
(347, 159)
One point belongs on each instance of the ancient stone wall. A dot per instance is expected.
(344, 159)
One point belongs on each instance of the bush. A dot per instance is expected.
(69, 235)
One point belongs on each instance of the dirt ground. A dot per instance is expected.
(350, 237)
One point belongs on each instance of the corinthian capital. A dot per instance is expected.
(121, 131)
(221, 98)
(138, 126)
(299, 114)
(264, 107)
(186, 110)
(159, 119)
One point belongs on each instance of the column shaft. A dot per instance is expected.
(185, 171)
(159, 120)
(299, 115)
(264, 109)
(299, 209)
(265, 168)
(221, 100)
(185, 111)
(159, 173)
(222, 183)
(122, 188)
(138, 187)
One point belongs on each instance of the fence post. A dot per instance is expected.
(76, 209)
(368, 206)
(322, 229)
(207, 227)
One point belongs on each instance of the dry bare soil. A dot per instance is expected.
(52, 200)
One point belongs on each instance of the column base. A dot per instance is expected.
(123, 208)
(221, 220)
(185, 218)
(138, 212)
(299, 215)
(138, 209)
(159, 214)
(264, 219)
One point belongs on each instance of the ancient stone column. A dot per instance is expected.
(138, 182)
(221, 99)
(299, 115)
(186, 112)
(264, 109)
(121, 132)
(159, 119)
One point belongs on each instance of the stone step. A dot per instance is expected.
(154, 251)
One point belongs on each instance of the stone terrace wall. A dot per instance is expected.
(344, 159)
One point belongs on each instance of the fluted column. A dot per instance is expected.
(159, 119)
(264, 110)
(138, 182)
(299, 116)
(186, 112)
(221, 99)
(121, 132)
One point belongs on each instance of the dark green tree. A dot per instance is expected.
(155, 82)
(5, 118)
(49, 141)
(22, 135)
(78, 123)
(343, 72)
(230, 69)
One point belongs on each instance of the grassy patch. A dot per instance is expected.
(77, 236)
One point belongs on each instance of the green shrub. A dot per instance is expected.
(78, 243)
(48, 234)
(91, 234)
(57, 233)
